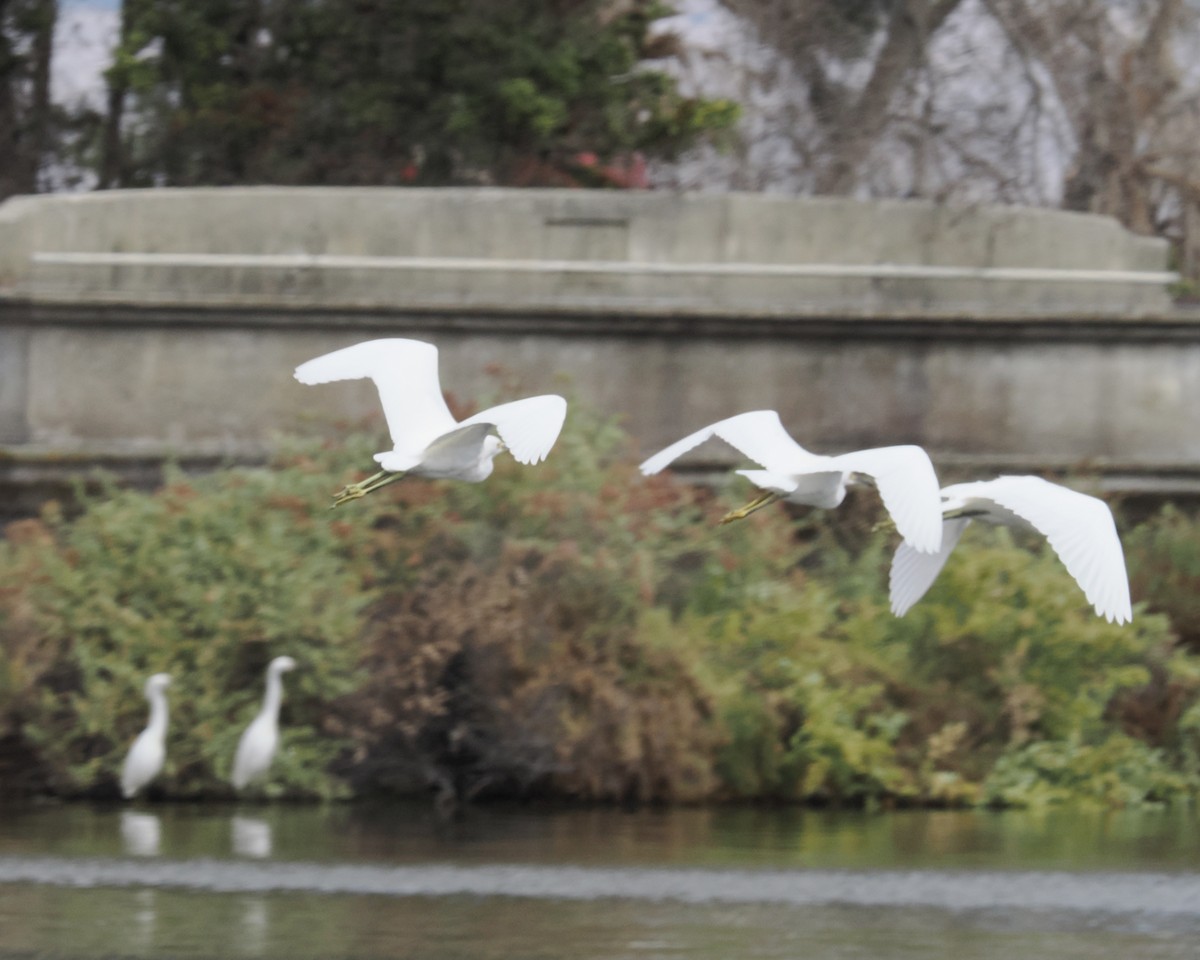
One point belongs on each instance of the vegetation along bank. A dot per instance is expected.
(581, 632)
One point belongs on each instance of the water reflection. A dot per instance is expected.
(754, 884)
(145, 919)
(141, 834)
(251, 837)
(256, 924)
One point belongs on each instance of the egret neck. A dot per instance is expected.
(157, 726)
(274, 696)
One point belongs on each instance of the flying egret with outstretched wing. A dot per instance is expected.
(1079, 528)
(426, 439)
(903, 475)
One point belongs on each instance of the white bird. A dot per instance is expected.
(149, 751)
(1080, 530)
(259, 741)
(903, 475)
(426, 439)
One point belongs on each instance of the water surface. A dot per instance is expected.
(386, 882)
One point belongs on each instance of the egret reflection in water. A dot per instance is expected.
(251, 837)
(144, 927)
(141, 834)
(256, 924)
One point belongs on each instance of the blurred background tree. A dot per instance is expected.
(1063, 103)
(371, 92)
(26, 44)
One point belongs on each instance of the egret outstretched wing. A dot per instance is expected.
(528, 427)
(405, 372)
(913, 572)
(758, 435)
(1080, 530)
(908, 487)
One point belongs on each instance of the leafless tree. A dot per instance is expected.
(1075, 103)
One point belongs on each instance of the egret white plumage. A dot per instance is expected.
(1080, 530)
(426, 439)
(903, 474)
(260, 740)
(149, 751)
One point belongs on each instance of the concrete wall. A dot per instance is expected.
(160, 361)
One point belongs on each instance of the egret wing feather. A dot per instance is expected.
(908, 487)
(405, 372)
(448, 455)
(528, 427)
(1081, 531)
(758, 434)
(914, 571)
(255, 751)
(143, 762)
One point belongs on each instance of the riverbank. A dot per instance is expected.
(576, 631)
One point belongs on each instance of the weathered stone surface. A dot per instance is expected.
(124, 363)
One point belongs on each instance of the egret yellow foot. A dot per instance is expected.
(756, 504)
(354, 491)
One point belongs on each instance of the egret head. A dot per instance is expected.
(282, 665)
(160, 681)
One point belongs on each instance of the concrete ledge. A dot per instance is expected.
(566, 249)
(635, 321)
(31, 476)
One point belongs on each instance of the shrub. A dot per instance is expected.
(576, 630)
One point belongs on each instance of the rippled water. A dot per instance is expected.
(391, 882)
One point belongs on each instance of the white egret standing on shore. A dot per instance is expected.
(1080, 530)
(149, 751)
(257, 747)
(904, 476)
(426, 439)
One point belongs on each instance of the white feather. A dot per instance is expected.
(913, 572)
(426, 439)
(1080, 530)
(259, 741)
(405, 372)
(758, 435)
(904, 475)
(528, 427)
(146, 757)
(908, 488)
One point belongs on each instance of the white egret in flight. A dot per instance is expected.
(257, 747)
(903, 474)
(1080, 530)
(427, 440)
(149, 751)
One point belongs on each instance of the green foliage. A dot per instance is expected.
(425, 91)
(207, 580)
(577, 630)
(1164, 566)
(1117, 772)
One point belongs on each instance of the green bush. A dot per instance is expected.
(576, 630)
(206, 580)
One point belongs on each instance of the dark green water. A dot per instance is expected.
(357, 882)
